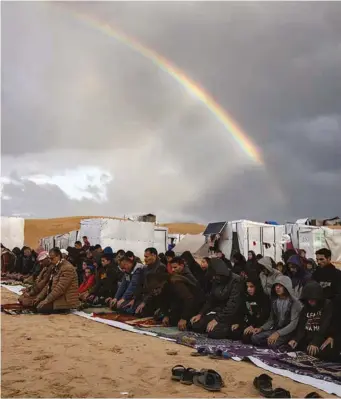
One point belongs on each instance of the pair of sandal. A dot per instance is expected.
(205, 378)
(263, 384)
(217, 355)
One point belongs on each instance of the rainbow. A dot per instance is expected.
(242, 139)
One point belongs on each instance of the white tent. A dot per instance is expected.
(262, 238)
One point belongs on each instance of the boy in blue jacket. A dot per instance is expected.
(125, 296)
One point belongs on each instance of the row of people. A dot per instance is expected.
(262, 309)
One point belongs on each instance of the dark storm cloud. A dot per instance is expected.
(276, 67)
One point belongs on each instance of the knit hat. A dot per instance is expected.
(42, 255)
(108, 250)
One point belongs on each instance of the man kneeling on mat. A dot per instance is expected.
(224, 306)
(177, 298)
(60, 294)
(29, 294)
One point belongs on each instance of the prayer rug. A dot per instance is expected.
(123, 318)
(16, 308)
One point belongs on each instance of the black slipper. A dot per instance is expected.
(280, 393)
(209, 380)
(313, 395)
(187, 376)
(177, 372)
(263, 384)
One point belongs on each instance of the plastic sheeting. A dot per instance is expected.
(333, 241)
(12, 232)
(62, 241)
(191, 242)
(161, 239)
(252, 236)
(311, 239)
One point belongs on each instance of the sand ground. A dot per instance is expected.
(68, 356)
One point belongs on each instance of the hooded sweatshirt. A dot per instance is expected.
(300, 278)
(284, 313)
(315, 321)
(257, 306)
(226, 298)
(130, 283)
(329, 277)
(268, 280)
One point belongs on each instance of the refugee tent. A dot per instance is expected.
(160, 238)
(119, 234)
(245, 236)
(47, 243)
(311, 238)
(62, 241)
(192, 243)
(73, 237)
(12, 232)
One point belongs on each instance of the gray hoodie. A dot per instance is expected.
(286, 323)
(268, 281)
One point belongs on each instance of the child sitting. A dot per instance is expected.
(257, 307)
(88, 282)
(314, 323)
(285, 311)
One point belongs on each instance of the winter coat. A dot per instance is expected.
(180, 297)
(293, 312)
(193, 265)
(314, 324)
(155, 268)
(188, 274)
(107, 281)
(61, 290)
(87, 284)
(41, 281)
(130, 283)
(226, 298)
(300, 278)
(258, 306)
(329, 277)
(268, 280)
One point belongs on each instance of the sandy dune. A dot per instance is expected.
(35, 229)
(67, 356)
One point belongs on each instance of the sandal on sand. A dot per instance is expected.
(219, 355)
(280, 393)
(187, 376)
(178, 372)
(313, 395)
(209, 380)
(263, 384)
(200, 352)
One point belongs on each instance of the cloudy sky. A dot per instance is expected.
(91, 127)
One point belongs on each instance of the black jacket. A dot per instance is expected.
(180, 298)
(226, 298)
(141, 293)
(314, 323)
(258, 306)
(329, 277)
(107, 279)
